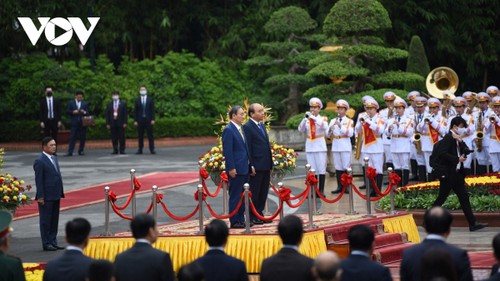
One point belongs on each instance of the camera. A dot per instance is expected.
(467, 151)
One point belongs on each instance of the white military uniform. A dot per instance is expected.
(417, 118)
(438, 124)
(374, 151)
(494, 141)
(483, 157)
(384, 113)
(316, 145)
(341, 142)
(400, 141)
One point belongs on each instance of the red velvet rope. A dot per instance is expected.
(311, 179)
(394, 179)
(224, 179)
(303, 193)
(150, 207)
(137, 184)
(159, 197)
(204, 174)
(331, 201)
(224, 216)
(371, 173)
(364, 197)
(257, 215)
(300, 202)
(203, 195)
(274, 189)
(112, 197)
(176, 217)
(119, 213)
(284, 194)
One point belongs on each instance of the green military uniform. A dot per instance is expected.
(11, 268)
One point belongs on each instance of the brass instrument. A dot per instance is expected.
(418, 145)
(390, 113)
(441, 79)
(427, 120)
(492, 118)
(479, 133)
(359, 140)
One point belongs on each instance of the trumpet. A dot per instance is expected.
(492, 118)
(427, 119)
(418, 145)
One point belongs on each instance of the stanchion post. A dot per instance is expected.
(393, 210)
(132, 176)
(310, 195)
(106, 213)
(154, 188)
(351, 196)
(266, 206)
(246, 188)
(200, 165)
(282, 211)
(200, 209)
(224, 197)
(315, 207)
(368, 191)
(308, 168)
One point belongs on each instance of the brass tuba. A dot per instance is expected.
(441, 79)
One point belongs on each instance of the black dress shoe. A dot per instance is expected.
(362, 187)
(81, 153)
(58, 247)
(114, 152)
(123, 152)
(336, 191)
(477, 226)
(153, 152)
(257, 221)
(267, 221)
(138, 152)
(238, 225)
(49, 248)
(68, 154)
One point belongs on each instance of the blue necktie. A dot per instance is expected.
(262, 129)
(53, 160)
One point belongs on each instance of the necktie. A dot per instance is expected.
(53, 160)
(51, 114)
(144, 107)
(241, 133)
(399, 119)
(262, 129)
(115, 109)
(340, 120)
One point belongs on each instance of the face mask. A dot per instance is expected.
(461, 131)
(49, 94)
(116, 97)
(143, 92)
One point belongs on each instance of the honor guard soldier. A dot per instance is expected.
(492, 126)
(492, 91)
(417, 161)
(470, 97)
(341, 129)
(482, 145)
(316, 127)
(400, 128)
(371, 126)
(460, 103)
(433, 128)
(410, 110)
(388, 114)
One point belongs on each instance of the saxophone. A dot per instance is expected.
(416, 139)
(479, 133)
(359, 139)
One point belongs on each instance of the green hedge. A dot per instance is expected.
(165, 127)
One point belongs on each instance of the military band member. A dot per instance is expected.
(492, 91)
(482, 157)
(447, 110)
(360, 136)
(418, 155)
(433, 128)
(400, 128)
(316, 127)
(460, 103)
(371, 126)
(410, 110)
(340, 130)
(471, 102)
(388, 114)
(492, 126)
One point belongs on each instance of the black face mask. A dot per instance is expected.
(49, 94)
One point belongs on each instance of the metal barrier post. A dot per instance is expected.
(282, 211)
(351, 196)
(246, 188)
(315, 208)
(224, 198)
(154, 198)
(106, 213)
(200, 165)
(393, 210)
(368, 191)
(309, 203)
(266, 206)
(200, 209)
(132, 176)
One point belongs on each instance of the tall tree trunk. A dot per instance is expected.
(292, 102)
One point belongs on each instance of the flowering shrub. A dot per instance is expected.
(213, 160)
(283, 158)
(12, 192)
(34, 271)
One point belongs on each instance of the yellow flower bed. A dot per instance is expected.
(469, 181)
(33, 271)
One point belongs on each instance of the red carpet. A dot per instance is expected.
(95, 194)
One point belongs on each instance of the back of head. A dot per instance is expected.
(361, 237)
(100, 270)
(327, 267)
(141, 224)
(290, 229)
(437, 221)
(496, 246)
(437, 263)
(190, 272)
(216, 233)
(77, 231)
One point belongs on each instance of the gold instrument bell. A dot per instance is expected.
(441, 79)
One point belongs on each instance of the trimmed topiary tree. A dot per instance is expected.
(417, 63)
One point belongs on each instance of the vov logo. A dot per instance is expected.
(49, 26)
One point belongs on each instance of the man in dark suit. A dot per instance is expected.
(359, 265)
(495, 272)
(144, 119)
(50, 114)
(142, 261)
(437, 223)
(234, 145)
(72, 264)
(217, 266)
(49, 191)
(11, 268)
(450, 154)
(116, 121)
(77, 108)
(288, 264)
(260, 157)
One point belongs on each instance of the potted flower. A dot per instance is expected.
(283, 161)
(213, 162)
(12, 193)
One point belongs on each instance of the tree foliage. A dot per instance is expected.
(417, 63)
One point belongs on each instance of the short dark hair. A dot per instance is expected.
(77, 230)
(115, 93)
(79, 93)
(100, 270)
(233, 111)
(361, 237)
(46, 140)
(457, 121)
(216, 233)
(191, 272)
(290, 229)
(251, 109)
(437, 220)
(496, 246)
(141, 224)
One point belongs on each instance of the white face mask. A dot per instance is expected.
(143, 92)
(461, 131)
(116, 97)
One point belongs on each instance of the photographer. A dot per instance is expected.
(452, 153)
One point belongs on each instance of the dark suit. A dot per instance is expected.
(261, 159)
(51, 128)
(217, 266)
(76, 124)
(494, 277)
(287, 265)
(143, 115)
(11, 268)
(72, 265)
(453, 179)
(116, 124)
(143, 262)
(410, 265)
(361, 268)
(49, 186)
(236, 157)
